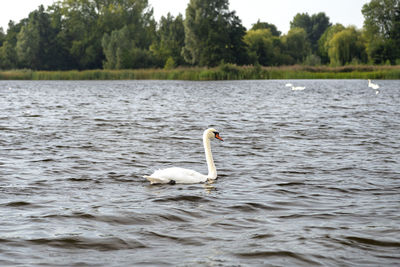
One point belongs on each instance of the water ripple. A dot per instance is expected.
(304, 179)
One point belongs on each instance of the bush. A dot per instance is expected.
(312, 60)
(170, 64)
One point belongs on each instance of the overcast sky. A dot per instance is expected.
(278, 12)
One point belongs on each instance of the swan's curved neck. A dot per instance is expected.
(212, 171)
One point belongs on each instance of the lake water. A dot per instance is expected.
(305, 177)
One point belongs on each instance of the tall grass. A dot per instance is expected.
(223, 72)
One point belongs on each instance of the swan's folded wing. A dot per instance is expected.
(154, 180)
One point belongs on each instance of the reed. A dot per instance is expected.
(222, 72)
(16, 75)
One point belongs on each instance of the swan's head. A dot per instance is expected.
(212, 133)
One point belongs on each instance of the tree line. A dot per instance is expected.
(123, 34)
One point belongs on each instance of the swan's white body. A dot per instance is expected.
(295, 88)
(298, 88)
(373, 85)
(185, 176)
(176, 175)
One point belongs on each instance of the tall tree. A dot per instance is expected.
(314, 26)
(347, 46)
(382, 24)
(122, 52)
(8, 54)
(324, 41)
(2, 39)
(302, 20)
(81, 32)
(2, 36)
(59, 55)
(87, 21)
(34, 41)
(265, 25)
(116, 48)
(170, 41)
(382, 17)
(264, 47)
(213, 34)
(297, 45)
(127, 46)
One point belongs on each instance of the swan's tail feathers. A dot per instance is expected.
(154, 180)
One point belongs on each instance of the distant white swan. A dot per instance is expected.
(185, 176)
(295, 88)
(373, 85)
(298, 88)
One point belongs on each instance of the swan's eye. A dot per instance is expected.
(217, 136)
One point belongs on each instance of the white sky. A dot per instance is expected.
(278, 12)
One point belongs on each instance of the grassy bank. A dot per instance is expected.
(223, 72)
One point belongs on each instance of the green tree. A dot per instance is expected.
(28, 47)
(264, 48)
(381, 17)
(2, 40)
(265, 25)
(87, 21)
(302, 20)
(382, 25)
(34, 41)
(8, 58)
(59, 51)
(2, 36)
(169, 64)
(127, 46)
(347, 46)
(170, 40)
(297, 46)
(122, 52)
(213, 34)
(324, 41)
(116, 47)
(81, 32)
(314, 26)
(8, 54)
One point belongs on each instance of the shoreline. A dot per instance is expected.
(222, 72)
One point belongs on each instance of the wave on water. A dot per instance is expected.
(305, 178)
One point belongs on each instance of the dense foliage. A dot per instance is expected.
(382, 30)
(123, 34)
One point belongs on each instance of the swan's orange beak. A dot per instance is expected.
(218, 137)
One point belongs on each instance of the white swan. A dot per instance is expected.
(298, 88)
(184, 176)
(373, 85)
(295, 88)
